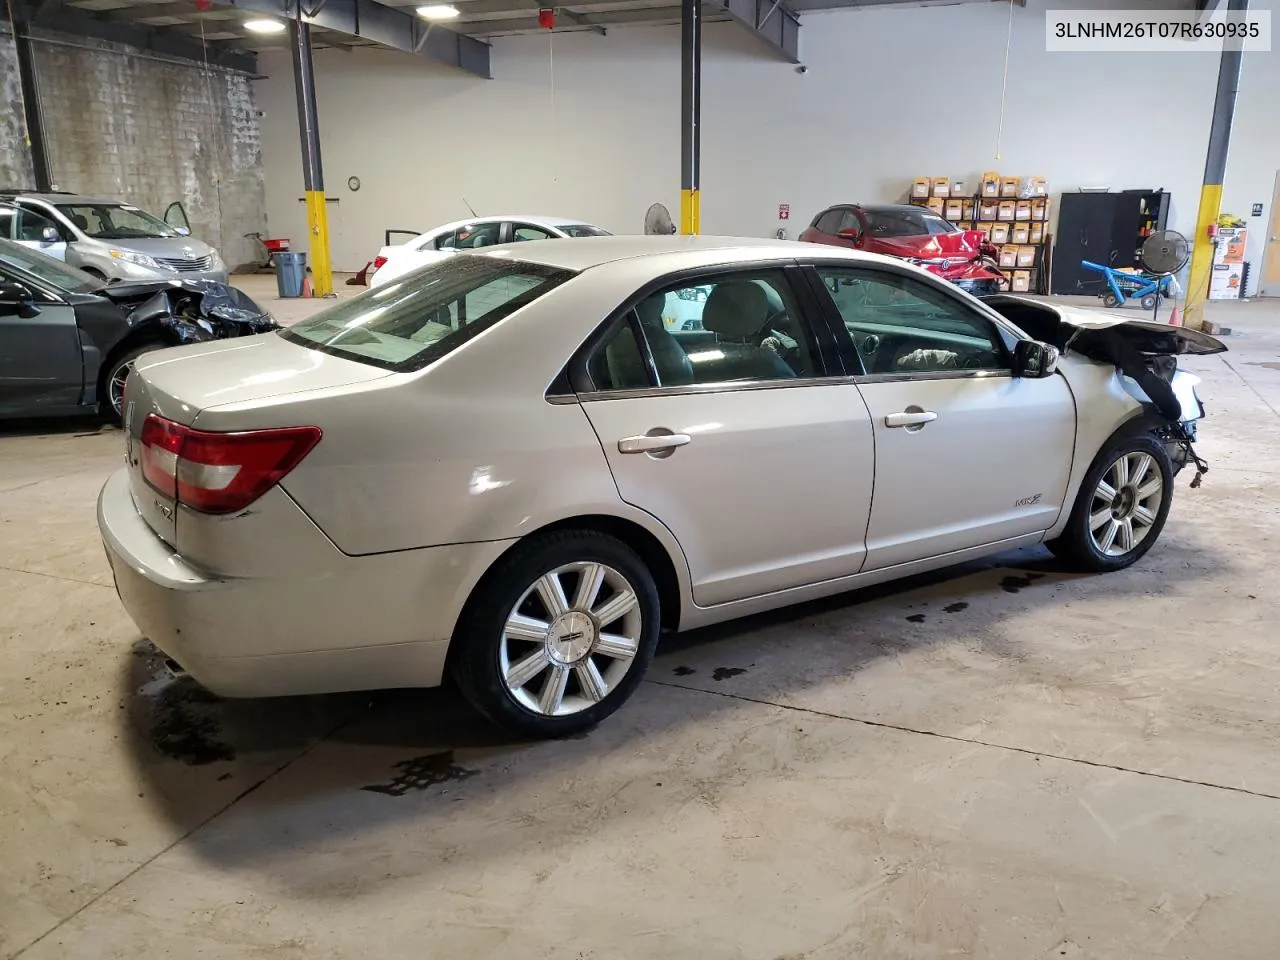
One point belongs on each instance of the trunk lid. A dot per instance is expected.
(179, 383)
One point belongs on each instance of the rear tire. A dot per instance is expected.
(113, 377)
(1121, 508)
(1110, 300)
(558, 635)
(1148, 302)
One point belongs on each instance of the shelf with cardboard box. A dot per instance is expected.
(1012, 211)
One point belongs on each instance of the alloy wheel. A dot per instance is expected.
(1126, 503)
(115, 388)
(570, 639)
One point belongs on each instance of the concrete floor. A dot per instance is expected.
(1001, 761)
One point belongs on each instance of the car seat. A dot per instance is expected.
(674, 366)
(737, 312)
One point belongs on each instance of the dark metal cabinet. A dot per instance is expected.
(1107, 228)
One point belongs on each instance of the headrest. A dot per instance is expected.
(650, 310)
(737, 308)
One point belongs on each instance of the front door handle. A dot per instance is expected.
(653, 442)
(910, 418)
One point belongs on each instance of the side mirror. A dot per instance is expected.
(1034, 360)
(16, 299)
(182, 231)
(50, 235)
(850, 234)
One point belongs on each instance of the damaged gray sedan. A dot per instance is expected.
(68, 340)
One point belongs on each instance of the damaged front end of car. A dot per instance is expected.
(192, 311)
(1145, 352)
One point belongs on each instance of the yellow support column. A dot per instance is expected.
(318, 227)
(690, 216)
(1215, 168)
(304, 83)
(1202, 256)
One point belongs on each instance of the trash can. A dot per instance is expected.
(291, 271)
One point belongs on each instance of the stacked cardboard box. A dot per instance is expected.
(1012, 211)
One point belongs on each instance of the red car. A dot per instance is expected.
(912, 233)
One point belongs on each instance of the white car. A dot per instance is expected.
(398, 259)
(506, 468)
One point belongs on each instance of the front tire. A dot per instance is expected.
(558, 635)
(111, 386)
(1121, 508)
(1110, 300)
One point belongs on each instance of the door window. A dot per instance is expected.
(901, 325)
(175, 215)
(829, 222)
(848, 221)
(471, 236)
(739, 328)
(30, 226)
(525, 231)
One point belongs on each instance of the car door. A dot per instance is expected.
(41, 364)
(745, 446)
(967, 454)
(175, 215)
(37, 230)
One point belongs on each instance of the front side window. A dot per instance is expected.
(115, 221)
(583, 230)
(900, 325)
(849, 220)
(829, 222)
(471, 236)
(525, 231)
(31, 226)
(736, 329)
(424, 315)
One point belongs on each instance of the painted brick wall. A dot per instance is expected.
(152, 132)
(15, 161)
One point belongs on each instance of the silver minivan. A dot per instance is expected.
(110, 239)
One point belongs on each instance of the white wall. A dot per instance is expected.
(888, 95)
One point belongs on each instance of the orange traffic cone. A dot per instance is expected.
(306, 287)
(1174, 319)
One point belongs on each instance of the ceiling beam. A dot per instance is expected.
(363, 19)
(776, 28)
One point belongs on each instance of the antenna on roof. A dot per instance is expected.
(469, 207)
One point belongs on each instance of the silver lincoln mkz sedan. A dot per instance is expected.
(515, 467)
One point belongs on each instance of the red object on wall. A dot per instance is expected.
(546, 18)
(784, 211)
(204, 5)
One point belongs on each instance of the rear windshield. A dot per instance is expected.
(428, 313)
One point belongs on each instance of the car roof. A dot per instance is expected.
(56, 198)
(587, 252)
(897, 208)
(537, 221)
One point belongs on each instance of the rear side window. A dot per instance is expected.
(426, 314)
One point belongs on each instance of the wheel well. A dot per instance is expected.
(134, 338)
(644, 543)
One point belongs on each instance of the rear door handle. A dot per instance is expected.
(911, 418)
(653, 443)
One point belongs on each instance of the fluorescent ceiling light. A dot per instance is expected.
(438, 11)
(264, 26)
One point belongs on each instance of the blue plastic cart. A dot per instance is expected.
(1123, 286)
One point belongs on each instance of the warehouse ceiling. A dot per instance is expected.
(218, 26)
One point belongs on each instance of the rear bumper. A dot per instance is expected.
(349, 623)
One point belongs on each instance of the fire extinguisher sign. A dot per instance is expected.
(784, 211)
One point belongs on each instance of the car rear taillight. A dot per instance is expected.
(379, 263)
(219, 472)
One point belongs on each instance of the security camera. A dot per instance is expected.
(802, 69)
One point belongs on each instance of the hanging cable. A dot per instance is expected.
(1004, 87)
(551, 69)
(217, 180)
